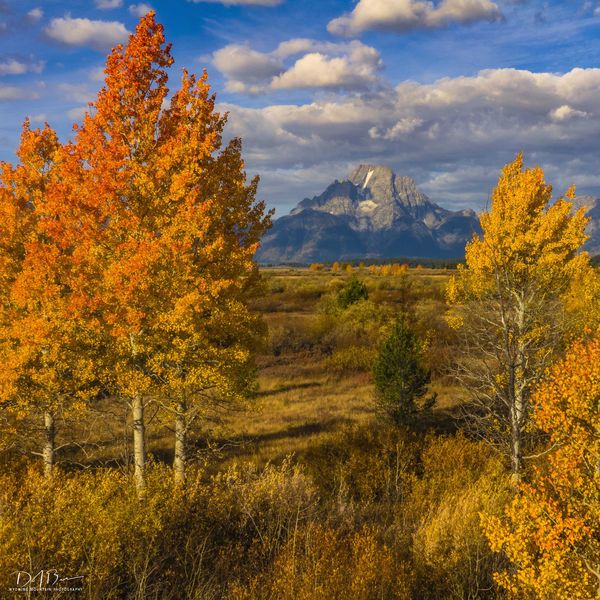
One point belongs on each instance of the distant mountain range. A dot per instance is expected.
(372, 214)
(376, 214)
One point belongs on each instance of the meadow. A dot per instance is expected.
(304, 491)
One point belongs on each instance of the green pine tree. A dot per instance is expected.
(400, 376)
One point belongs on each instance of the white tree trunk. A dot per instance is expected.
(139, 441)
(516, 450)
(49, 444)
(179, 462)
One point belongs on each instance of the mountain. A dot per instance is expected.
(372, 214)
(593, 228)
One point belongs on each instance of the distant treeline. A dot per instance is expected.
(429, 263)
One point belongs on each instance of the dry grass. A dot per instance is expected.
(300, 402)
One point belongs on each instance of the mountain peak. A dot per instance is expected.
(382, 183)
(373, 213)
(363, 174)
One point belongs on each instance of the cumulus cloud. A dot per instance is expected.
(12, 66)
(39, 118)
(246, 67)
(35, 14)
(108, 4)
(452, 135)
(356, 68)
(76, 92)
(77, 114)
(405, 15)
(101, 35)
(321, 65)
(240, 2)
(139, 10)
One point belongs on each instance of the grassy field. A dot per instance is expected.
(314, 374)
(305, 492)
(303, 399)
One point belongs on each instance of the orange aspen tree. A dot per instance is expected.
(178, 228)
(45, 366)
(551, 531)
(509, 301)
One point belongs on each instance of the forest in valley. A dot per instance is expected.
(178, 423)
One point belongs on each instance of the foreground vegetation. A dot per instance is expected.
(305, 493)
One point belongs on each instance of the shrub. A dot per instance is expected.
(399, 375)
(322, 563)
(365, 467)
(459, 480)
(354, 291)
(353, 359)
(167, 544)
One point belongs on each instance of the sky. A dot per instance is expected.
(445, 91)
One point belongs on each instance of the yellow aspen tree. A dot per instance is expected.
(46, 367)
(509, 302)
(177, 230)
(551, 530)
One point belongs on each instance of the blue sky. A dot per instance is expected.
(446, 91)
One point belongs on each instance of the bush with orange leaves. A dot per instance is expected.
(551, 531)
(322, 563)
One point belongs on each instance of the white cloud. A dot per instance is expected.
(35, 14)
(101, 35)
(76, 92)
(12, 66)
(452, 135)
(39, 119)
(403, 127)
(241, 64)
(77, 114)
(140, 10)
(240, 2)
(566, 112)
(108, 4)
(96, 74)
(11, 92)
(405, 15)
(354, 70)
(321, 65)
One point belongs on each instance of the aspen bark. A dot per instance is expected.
(518, 395)
(180, 459)
(139, 441)
(516, 451)
(49, 443)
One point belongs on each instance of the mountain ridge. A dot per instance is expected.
(374, 213)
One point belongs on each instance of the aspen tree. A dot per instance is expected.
(509, 301)
(46, 367)
(551, 530)
(173, 251)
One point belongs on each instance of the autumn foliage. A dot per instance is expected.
(551, 530)
(511, 301)
(131, 249)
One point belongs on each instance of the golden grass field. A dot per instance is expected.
(300, 401)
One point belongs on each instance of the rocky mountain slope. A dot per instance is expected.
(372, 214)
(593, 229)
